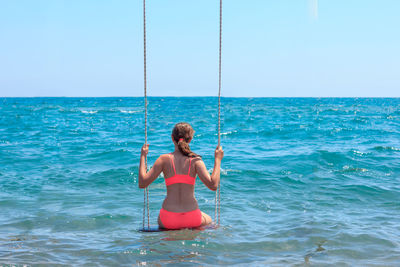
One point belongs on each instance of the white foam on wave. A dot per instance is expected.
(225, 171)
(89, 111)
(227, 133)
(129, 111)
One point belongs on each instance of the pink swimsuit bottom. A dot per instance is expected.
(179, 220)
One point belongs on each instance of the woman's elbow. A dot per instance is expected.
(142, 184)
(214, 184)
(213, 187)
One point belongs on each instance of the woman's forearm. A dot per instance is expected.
(215, 176)
(142, 171)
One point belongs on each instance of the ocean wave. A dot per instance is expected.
(347, 168)
(368, 190)
(361, 120)
(333, 157)
(359, 153)
(386, 148)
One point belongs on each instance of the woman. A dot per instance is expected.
(180, 208)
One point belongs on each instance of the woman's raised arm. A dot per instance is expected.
(211, 181)
(146, 178)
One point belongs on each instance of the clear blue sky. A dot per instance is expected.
(270, 48)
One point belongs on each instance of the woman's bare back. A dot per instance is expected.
(180, 196)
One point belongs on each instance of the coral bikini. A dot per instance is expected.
(179, 220)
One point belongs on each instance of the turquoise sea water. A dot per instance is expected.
(305, 182)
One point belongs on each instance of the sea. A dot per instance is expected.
(304, 182)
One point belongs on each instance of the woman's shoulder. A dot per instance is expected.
(163, 159)
(165, 156)
(196, 159)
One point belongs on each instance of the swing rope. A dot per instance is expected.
(146, 190)
(218, 191)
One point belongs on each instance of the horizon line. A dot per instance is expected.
(200, 96)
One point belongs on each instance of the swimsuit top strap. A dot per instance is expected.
(190, 163)
(172, 161)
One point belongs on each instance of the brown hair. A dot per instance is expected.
(183, 134)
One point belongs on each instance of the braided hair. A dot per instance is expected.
(182, 135)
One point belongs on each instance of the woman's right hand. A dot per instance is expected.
(145, 149)
(219, 153)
